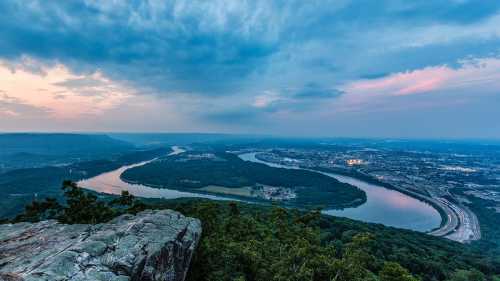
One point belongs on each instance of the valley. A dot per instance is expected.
(356, 191)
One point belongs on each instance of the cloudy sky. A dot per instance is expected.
(323, 68)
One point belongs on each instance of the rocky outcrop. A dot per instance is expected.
(153, 245)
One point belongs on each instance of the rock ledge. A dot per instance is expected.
(151, 246)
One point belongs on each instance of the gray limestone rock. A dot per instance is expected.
(151, 246)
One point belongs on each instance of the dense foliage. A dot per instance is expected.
(19, 187)
(248, 242)
(80, 207)
(189, 171)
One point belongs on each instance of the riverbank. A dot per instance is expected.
(443, 210)
(458, 223)
(197, 170)
(381, 207)
(382, 203)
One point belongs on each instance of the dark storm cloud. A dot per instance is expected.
(255, 63)
(214, 47)
(172, 52)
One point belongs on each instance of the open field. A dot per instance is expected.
(246, 191)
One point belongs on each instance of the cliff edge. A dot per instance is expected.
(150, 246)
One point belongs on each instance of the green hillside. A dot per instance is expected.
(252, 242)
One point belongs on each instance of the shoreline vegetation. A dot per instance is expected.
(226, 174)
(253, 242)
(442, 210)
(354, 174)
(19, 187)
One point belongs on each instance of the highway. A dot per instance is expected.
(461, 225)
(452, 220)
(468, 230)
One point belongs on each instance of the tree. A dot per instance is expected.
(127, 203)
(40, 210)
(82, 207)
(467, 275)
(392, 271)
(356, 259)
(125, 199)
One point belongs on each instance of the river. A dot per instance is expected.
(383, 205)
(112, 183)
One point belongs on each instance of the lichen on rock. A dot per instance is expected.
(150, 246)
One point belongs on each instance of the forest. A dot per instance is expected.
(19, 187)
(192, 171)
(261, 243)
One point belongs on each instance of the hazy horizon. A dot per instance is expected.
(385, 69)
(268, 136)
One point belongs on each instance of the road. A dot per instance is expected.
(452, 220)
(462, 224)
(468, 230)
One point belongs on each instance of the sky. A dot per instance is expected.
(393, 68)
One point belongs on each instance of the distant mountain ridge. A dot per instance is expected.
(152, 139)
(32, 150)
(59, 143)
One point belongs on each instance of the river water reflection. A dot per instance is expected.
(383, 205)
(111, 183)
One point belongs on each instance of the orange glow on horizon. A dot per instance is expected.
(50, 88)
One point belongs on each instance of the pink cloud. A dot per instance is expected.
(474, 79)
(84, 94)
(473, 74)
(406, 83)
